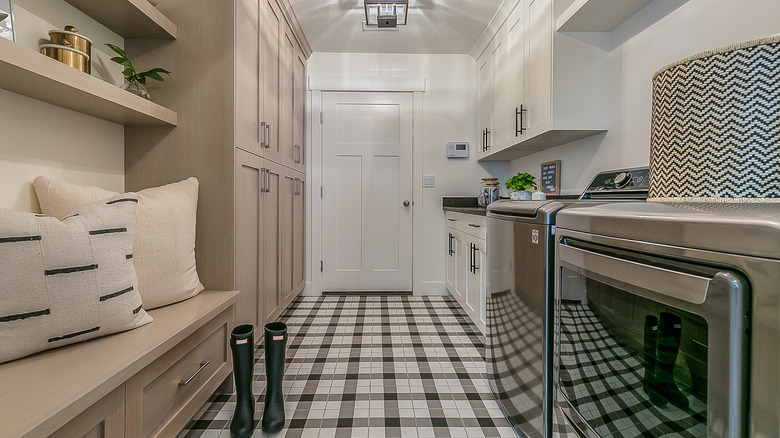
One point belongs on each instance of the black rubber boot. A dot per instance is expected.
(648, 382)
(669, 333)
(275, 344)
(242, 344)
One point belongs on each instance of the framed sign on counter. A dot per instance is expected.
(551, 177)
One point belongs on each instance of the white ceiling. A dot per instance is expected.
(434, 26)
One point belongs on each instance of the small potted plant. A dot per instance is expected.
(519, 185)
(135, 81)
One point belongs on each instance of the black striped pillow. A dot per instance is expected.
(63, 282)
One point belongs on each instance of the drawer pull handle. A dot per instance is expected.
(475, 225)
(452, 220)
(202, 366)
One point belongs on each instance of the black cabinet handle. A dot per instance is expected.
(474, 225)
(519, 115)
(450, 244)
(487, 139)
(474, 257)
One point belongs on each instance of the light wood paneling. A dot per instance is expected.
(248, 77)
(32, 74)
(203, 144)
(273, 221)
(250, 176)
(128, 18)
(272, 37)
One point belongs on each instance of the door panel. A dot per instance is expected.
(272, 22)
(299, 236)
(286, 98)
(272, 220)
(367, 164)
(249, 180)
(248, 78)
(538, 66)
(299, 102)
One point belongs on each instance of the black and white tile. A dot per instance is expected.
(376, 366)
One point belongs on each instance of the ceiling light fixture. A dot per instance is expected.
(386, 13)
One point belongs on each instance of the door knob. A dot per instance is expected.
(406, 203)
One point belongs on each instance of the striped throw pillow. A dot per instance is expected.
(63, 282)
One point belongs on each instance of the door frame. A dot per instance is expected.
(314, 172)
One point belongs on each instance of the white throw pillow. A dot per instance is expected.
(164, 245)
(63, 282)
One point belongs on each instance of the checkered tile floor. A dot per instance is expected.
(384, 366)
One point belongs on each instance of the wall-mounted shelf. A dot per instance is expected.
(128, 18)
(597, 15)
(29, 73)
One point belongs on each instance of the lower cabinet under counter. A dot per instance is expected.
(467, 264)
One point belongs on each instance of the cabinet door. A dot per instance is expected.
(287, 61)
(299, 236)
(249, 180)
(462, 267)
(271, 31)
(515, 55)
(538, 66)
(247, 76)
(500, 114)
(476, 283)
(104, 419)
(299, 103)
(452, 261)
(272, 217)
(485, 78)
(286, 235)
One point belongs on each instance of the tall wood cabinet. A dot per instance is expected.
(239, 86)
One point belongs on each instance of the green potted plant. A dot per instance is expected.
(519, 185)
(134, 80)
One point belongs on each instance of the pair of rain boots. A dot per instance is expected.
(661, 346)
(242, 345)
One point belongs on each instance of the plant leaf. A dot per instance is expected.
(158, 70)
(118, 50)
(128, 72)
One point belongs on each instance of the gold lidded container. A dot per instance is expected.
(69, 47)
(71, 57)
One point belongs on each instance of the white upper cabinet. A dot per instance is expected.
(547, 89)
(485, 110)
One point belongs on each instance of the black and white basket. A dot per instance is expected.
(715, 133)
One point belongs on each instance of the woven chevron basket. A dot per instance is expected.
(715, 133)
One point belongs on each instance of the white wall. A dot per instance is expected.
(637, 51)
(37, 138)
(448, 114)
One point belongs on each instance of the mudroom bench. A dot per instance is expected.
(149, 381)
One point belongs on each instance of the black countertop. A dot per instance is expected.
(463, 204)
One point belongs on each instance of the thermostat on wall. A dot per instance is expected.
(458, 149)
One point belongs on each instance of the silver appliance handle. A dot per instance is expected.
(680, 285)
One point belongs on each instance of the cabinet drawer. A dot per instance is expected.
(165, 395)
(470, 224)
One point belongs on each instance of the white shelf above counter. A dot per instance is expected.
(29, 73)
(597, 15)
(128, 18)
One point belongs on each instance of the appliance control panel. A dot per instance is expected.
(619, 182)
(458, 149)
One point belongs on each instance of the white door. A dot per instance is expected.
(367, 192)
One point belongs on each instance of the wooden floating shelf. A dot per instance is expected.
(597, 15)
(29, 73)
(128, 18)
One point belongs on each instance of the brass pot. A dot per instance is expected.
(68, 56)
(70, 37)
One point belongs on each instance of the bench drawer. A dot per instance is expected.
(165, 394)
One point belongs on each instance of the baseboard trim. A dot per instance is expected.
(367, 293)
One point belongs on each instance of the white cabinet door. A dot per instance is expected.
(538, 67)
(462, 267)
(516, 47)
(452, 261)
(476, 284)
(485, 78)
(502, 76)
